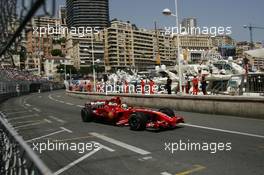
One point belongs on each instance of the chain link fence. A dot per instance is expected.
(15, 15)
(16, 157)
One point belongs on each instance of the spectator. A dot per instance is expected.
(151, 86)
(126, 87)
(142, 86)
(188, 85)
(135, 86)
(184, 84)
(89, 86)
(168, 85)
(195, 83)
(204, 85)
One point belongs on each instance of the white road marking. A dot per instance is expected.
(50, 97)
(27, 104)
(105, 147)
(66, 129)
(37, 138)
(145, 158)
(76, 161)
(223, 130)
(31, 124)
(6, 110)
(16, 112)
(121, 144)
(25, 122)
(36, 109)
(60, 101)
(23, 117)
(48, 121)
(56, 119)
(165, 173)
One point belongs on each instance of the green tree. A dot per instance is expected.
(69, 69)
(56, 52)
(85, 70)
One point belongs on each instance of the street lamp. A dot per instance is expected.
(86, 50)
(63, 62)
(61, 73)
(167, 12)
(65, 70)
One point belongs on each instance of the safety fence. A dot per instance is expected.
(16, 157)
(15, 15)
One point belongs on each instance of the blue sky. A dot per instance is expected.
(234, 13)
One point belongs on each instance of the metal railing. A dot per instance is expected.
(16, 157)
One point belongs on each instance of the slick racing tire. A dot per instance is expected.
(87, 115)
(137, 121)
(169, 112)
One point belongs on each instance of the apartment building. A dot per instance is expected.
(127, 46)
(81, 50)
(40, 42)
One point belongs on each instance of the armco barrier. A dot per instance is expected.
(251, 107)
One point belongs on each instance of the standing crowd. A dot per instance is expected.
(190, 85)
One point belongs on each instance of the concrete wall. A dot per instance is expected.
(251, 107)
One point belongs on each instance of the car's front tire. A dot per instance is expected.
(87, 115)
(169, 112)
(137, 121)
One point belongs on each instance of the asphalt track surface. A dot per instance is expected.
(55, 117)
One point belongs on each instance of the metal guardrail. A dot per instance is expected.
(16, 157)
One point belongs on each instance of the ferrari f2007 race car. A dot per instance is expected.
(115, 112)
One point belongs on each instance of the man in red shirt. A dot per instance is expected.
(126, 87)
(151, 86)
(195, 83)
(142, 86)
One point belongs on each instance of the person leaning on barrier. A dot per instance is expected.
(195, 82)
(151, 86)
(204, 85)
(168, 85)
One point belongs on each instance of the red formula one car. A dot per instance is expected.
(118, 113)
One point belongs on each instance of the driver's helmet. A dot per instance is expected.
(124, 106)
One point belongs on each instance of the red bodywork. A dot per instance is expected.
(113, 111)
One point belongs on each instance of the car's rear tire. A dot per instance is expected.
(137, 121)
(169, 112)
(87, 115)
